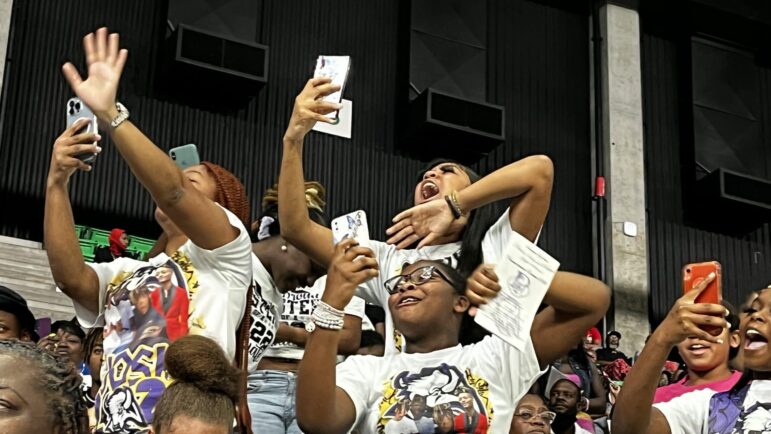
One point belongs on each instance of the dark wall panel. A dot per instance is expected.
(538, 68)
(746, 260)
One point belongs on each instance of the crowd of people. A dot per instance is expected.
(267, 326)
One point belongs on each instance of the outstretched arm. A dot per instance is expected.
(70, 272)
(310, 237)
(527, 182)
(322, 407)
(633, 413)
(199, 218)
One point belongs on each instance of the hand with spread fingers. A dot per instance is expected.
(430, 223)
(310, 107)
(687, 318)
(351, 266)
(64, 160)
(482, 286)
(105, 61)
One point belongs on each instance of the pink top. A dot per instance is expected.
(666, 393)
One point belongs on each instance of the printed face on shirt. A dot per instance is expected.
(416, 307)
(439, 181)
(418, 406)
(23, 404)
(755, 332)
(564, 396)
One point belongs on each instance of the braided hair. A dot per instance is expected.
(59, 381)
(268, 224)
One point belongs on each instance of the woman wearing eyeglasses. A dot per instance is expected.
(428, 303)
(532, 416)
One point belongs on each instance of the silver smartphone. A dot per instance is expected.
(77, 110)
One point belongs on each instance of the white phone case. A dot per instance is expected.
(336, 68)
(353, 225)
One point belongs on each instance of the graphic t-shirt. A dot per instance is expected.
(137, 336)
(689, 413)
(391, 261)
(266, 304)
(486, 379)
(669, 392)
(297, 308)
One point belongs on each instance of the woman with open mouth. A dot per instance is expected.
(744, 408)
(451, 217)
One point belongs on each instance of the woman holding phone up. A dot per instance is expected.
(744, 408)
(202, 211)
(449, 220)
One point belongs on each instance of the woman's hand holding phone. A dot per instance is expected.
(67, 147)
(309, 108)
(105, 61)
(688, 318)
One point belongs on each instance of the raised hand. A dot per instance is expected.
(105, 63)
(482, 286)
(66, 147)
(687, 318)
(431, 223)
(309, 108)
(351, 266)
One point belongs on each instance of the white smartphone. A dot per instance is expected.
(185, 156)
(336, 68)
(353, 225)
(77, 110)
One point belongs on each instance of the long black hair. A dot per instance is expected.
(479, 221)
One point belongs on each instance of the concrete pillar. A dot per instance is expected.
(6, 7)
(625, 173)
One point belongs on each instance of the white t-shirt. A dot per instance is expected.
(214, 282)
(403, 426)
(266, 304)
(689, 413)
(297, 308)
(391, 261)
(496, 374)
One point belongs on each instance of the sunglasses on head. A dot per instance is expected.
(418, 276)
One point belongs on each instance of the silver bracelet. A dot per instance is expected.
(123, 114)
(327, 317)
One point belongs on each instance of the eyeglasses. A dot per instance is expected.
(546, 416)
(418, 276)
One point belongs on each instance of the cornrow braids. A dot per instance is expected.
(59, 380)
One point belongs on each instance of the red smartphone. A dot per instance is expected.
(693, 274)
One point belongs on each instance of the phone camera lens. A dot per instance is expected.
(77, 106)
(174, 156)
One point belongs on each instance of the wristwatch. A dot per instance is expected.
(123, 114)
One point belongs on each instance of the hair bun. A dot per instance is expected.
(199, 361)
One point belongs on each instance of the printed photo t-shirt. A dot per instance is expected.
(694, 412)
(141, 306)
(391, 261)
(464, 388)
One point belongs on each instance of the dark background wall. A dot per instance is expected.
(537, 68)
(674, 238)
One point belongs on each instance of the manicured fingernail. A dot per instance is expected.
(98, 149)
(98, 137)
(720, 341)
(339, 106)
(728, 325)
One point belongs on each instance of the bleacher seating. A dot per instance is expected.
(24, 268)
(91, 238)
